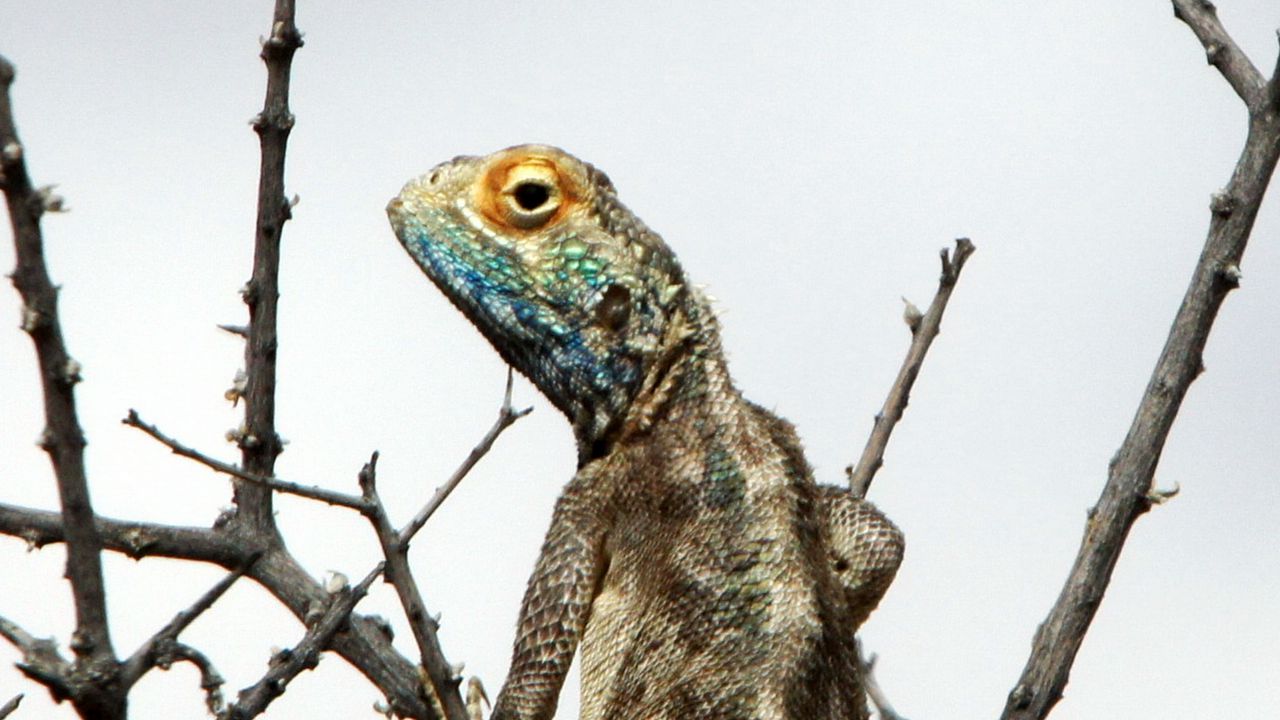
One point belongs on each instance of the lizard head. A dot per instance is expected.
(533, 246)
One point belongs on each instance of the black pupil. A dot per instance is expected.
(531, 196)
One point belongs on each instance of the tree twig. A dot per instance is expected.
(260, 444)
(95, 691)
(366, 646)
(506, 417)
(876, 695)
(158, 649)
(395, 550)
(1129, 491)
(7, 709)
(41, 660)
(923, 330)
(288, 664)
(1221, 50)
(211, 681)
(313, 492)
(444, 683)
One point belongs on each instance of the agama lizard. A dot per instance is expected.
(703, 572)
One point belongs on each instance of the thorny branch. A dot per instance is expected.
(41, 660)
(365, 645)
(251, 533)
(91, 684)
(506, 416)
(395, 548)
(312, 492)
(288, 664)
(877, 697)
(1129, 490)
(259, 443)
(7, 709)
(210, 679)
(444, 683)
(923, 330)
(1221, 50)
(162, 648)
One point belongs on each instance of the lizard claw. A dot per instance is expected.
(476, 696)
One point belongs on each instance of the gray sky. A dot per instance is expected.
(806, 164)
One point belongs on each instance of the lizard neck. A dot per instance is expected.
(689, 379)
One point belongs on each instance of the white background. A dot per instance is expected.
(807, 164)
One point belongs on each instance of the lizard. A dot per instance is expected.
(692, 559)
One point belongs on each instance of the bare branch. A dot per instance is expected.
(288, 664)
(506, 417)
(395, 549)
(366, 645)
(41, 660)
(7, 709)
(312, 492)
(923, 330)
(1272, 102)
(260, 445)
(444, 682)
(1129, 489)
(62, 437)
(158, 649)
(1220, 50)
(211, 680)
(877, 697)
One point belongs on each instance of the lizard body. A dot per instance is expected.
(692, 557)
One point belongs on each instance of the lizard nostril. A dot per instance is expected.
(531, 195)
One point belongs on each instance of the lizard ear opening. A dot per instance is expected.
(614, 309)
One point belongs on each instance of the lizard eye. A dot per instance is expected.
(531, 195)
(529, 202)
(526, 192)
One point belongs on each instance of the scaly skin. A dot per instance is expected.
(704, 573)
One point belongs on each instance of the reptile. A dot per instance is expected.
(692, 560)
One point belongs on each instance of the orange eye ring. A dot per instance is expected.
(525, 192)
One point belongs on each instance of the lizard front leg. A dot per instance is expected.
(556, 606)
(866, 549)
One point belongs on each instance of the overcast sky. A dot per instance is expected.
(806, 164)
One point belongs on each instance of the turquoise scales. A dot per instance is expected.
(692, 560)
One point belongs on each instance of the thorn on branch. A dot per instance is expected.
(1213, 53)
(336, 582)
(1160, 497)
(911, 315)
(71, 372)
(7, 709)
(238, 385)
(1222, 204)
(32, 320)
(49, 200)
(1230, 276)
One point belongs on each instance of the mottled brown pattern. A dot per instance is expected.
(692, 560)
